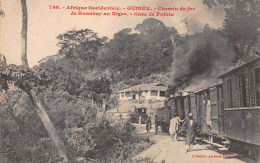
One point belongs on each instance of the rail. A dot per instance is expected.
(243, 108)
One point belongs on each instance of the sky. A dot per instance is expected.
(45, 24)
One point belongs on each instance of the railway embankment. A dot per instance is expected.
(165, 150)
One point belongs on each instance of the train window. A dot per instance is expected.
(127, 94)
(154, 93)
(229, 90)
(257, 86)
(162, 93)
(242, 87)
(252, 88)
(247, 90)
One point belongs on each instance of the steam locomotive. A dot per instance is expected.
(228, 113)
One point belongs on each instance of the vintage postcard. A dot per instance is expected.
(159, 81)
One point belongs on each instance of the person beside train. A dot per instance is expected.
(208, 112)
(148, 124)
(174, 127)
(155, 124)
(192, 129)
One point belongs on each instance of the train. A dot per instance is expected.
(228, 112)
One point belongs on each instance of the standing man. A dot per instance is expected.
(192, 129)
(121, 118)
(148, 124)
(155, 124)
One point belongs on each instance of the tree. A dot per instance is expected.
(32, 82)
(82, 44)
(241, 25)
(99, 91)
(2, 60)
(2, 13)
(154, 30)
(79, 49)
(24, 34)
(3, 83)
(73, 63)
(137, 55)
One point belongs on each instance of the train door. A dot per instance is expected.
(187, 106)
(220, 109)
(257, 86)
(204, 95)
(170, 107)
(180, 107)
(175, 105)
(193, 107)
(199, 110)
(201, 105)
(214, 111)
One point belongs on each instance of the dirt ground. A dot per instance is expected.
(167, 151)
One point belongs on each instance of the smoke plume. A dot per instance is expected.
(203, 58)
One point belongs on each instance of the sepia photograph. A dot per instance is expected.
(129, 81)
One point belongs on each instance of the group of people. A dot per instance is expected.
(192, 128)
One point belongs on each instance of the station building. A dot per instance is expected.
(144, 93)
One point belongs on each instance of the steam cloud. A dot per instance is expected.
(201, 60)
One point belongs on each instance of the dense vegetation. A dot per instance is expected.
(23, 137)
(76, 86)
(137, 55)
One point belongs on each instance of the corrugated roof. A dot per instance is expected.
(156, 86)
(203, 85)
(243, 65)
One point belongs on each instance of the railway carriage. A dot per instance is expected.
(228, 113)
(241, 94)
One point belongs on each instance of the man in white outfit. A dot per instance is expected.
(174, 127)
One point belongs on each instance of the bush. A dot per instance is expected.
(104, 141)
(23, 137)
